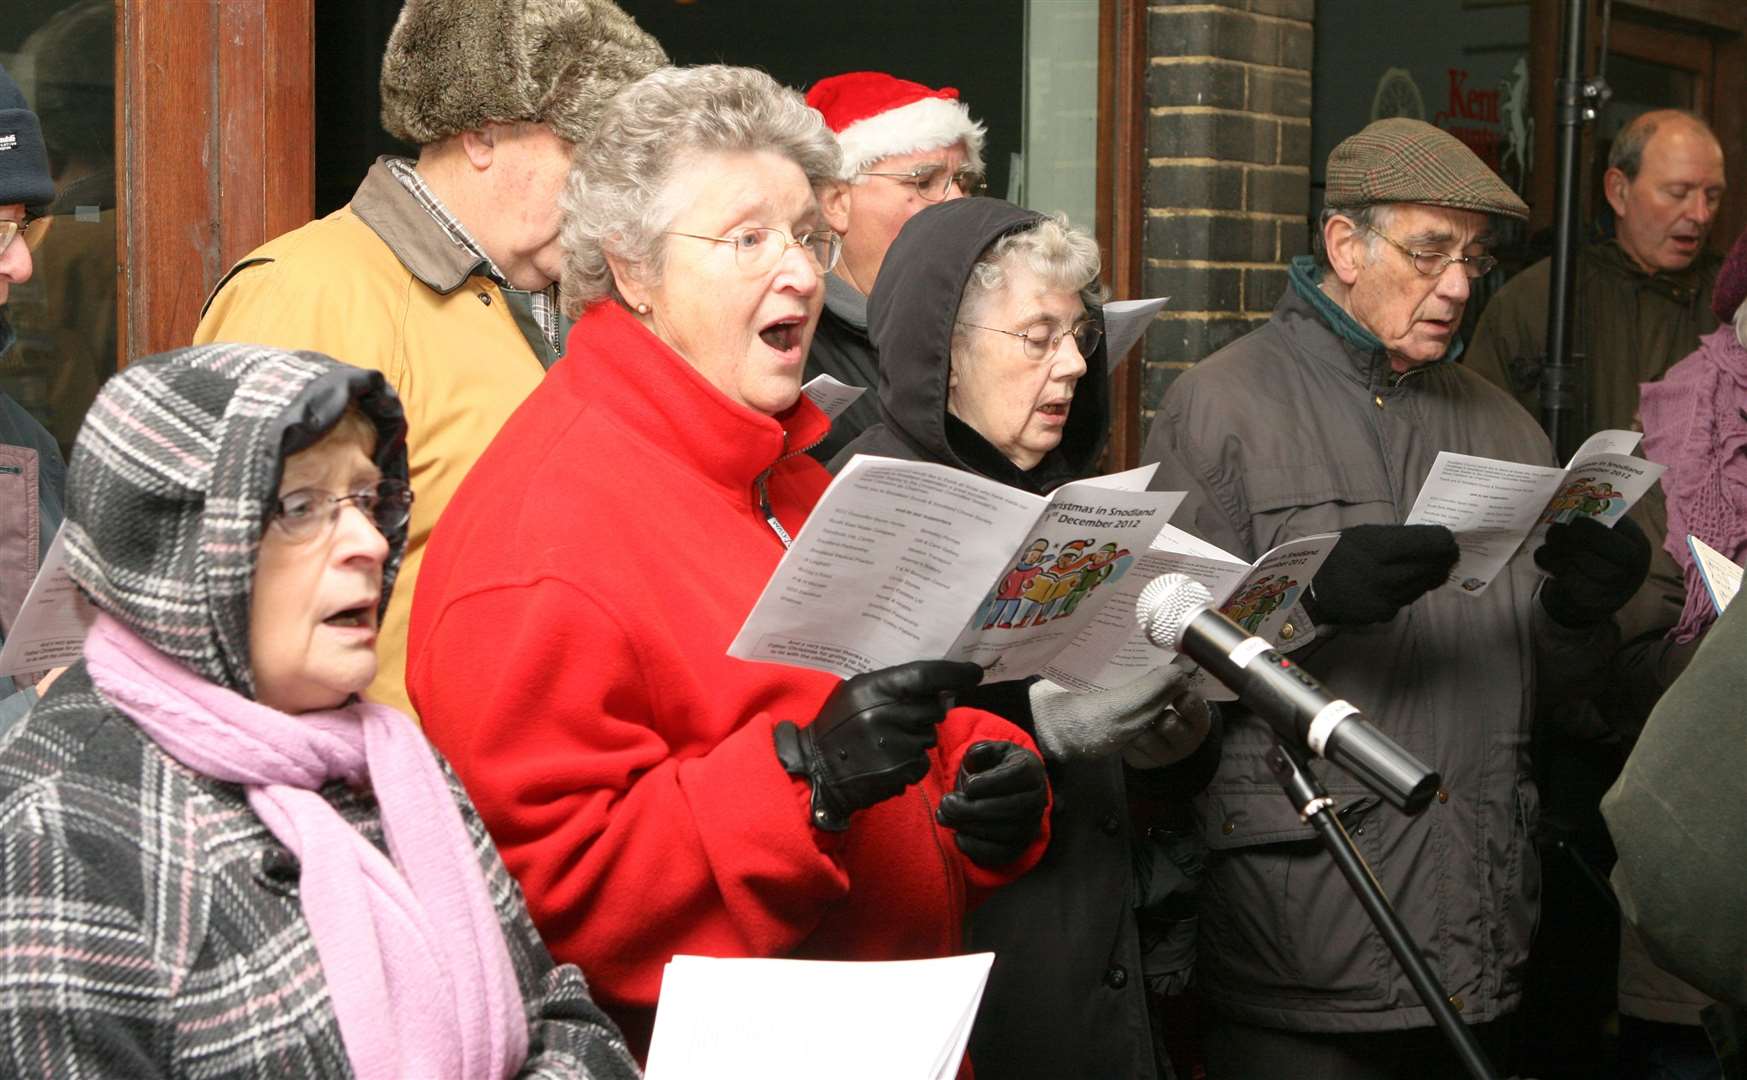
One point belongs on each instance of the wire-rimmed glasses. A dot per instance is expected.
(932, 182)
(1043, 339)
(758, 249)
(1434, 263)
(307, 513)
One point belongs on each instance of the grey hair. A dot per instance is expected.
(616, 200)
(1627, 152)
(1063, 256)
(1374, 218)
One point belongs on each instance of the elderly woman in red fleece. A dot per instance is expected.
(569, 638)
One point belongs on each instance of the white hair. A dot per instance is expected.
(617, 199)
(1062, 256)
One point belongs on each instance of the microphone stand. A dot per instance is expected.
(1579, 101)
(1307, 794)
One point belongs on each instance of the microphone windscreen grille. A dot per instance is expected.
(1166, 605)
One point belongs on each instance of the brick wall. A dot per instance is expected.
(1228, 171)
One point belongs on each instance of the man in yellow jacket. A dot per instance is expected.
(442, 272)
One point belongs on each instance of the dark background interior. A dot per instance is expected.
(975, 45)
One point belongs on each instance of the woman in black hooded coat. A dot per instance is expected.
(1066, 996)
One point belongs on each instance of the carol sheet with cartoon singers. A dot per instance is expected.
(1494, 506)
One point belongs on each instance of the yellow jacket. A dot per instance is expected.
(379, 283)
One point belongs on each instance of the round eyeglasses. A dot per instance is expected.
(756, 250)
(1042, 339)
(307, 513)
(1434, 263)
(932, 182)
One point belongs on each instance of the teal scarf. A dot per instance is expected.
(1306, 276)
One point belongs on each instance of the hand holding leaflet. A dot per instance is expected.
(1493, 506)
(904, 560)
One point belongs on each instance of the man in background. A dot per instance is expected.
(905, 146)
(1643, 295)
(442, 272)
(32, 475)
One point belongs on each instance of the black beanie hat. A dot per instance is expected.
(24, 163)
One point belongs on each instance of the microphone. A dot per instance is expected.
(1176, 612)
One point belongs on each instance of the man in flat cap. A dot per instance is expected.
(1328, 419)
(442, 272)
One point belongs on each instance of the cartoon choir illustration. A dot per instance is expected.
(1264, 596)
(1033, 593)
(1585, 498)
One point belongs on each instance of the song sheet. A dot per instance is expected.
(1493, 506)
(905, 560)
(50, 629)
(738, 1019)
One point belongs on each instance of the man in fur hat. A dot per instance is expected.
(905, 146)
(442, 271)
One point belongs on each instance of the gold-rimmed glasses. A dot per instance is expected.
(1434, 263)
(30, 228)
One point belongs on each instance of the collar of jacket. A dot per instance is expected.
(620, 369)
(411, 233)
(846, 302)
(1368, 354)
(1683, 287)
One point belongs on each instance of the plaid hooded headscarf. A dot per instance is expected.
(176, 473)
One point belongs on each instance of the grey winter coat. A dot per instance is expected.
(1295, 430)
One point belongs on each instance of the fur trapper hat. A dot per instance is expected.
(456, 65)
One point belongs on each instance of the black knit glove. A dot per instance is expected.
(1595, 569)
(997, 807)
(871, 738)
(1376, 570)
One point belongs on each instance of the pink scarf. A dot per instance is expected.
(415, 960)
(1695, 423)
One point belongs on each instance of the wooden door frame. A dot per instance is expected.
(215, 129)
(1121, 213)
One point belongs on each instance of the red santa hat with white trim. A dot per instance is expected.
(875, 115)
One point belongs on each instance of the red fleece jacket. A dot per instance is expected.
(568, 654)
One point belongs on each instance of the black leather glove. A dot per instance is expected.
(997, 806)
(1376, 570)
(871, 738)
(1595, 569)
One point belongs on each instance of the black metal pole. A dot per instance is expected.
(1292, 770)
(1561, 379)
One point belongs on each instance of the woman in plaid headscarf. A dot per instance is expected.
(214, 858)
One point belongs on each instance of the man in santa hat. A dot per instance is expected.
(905, 146)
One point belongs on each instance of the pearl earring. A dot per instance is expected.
(642, 309)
